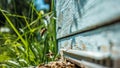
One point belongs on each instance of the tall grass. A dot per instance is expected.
(28, 45)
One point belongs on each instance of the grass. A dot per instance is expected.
(28, 45)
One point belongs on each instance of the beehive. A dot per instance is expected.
(88, 32)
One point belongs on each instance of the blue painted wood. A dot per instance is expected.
(102, 40)
(89, 28)
(81, 15)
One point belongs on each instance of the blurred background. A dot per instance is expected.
(22, 7)
(27, 33)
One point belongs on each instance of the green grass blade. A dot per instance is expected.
(16, 31)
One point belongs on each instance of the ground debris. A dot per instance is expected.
(57, 64)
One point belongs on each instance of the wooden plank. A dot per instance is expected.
(85, 64)
(82, 15)
(93, 57)
(88, 30)
(103, 40)
(89, 54)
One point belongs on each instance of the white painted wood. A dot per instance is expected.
(90, 54)
(85, 64)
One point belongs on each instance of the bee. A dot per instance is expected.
(42, 31)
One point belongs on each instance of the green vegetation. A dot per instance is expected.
(30, 41)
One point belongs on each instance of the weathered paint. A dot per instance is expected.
(81, 15)
(102, 40)
(89, 28)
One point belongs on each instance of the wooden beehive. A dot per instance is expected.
(88, 32)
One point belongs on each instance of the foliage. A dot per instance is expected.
(29, 44)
